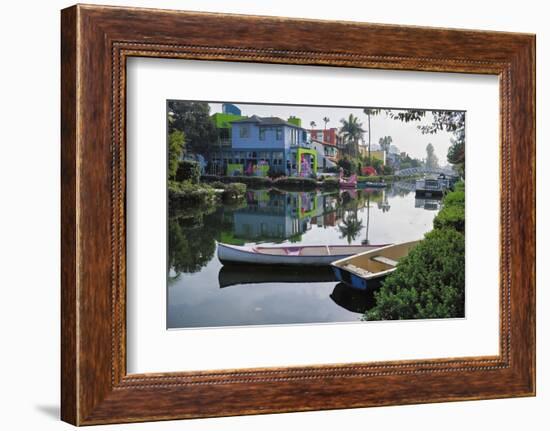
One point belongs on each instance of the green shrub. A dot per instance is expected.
(330, 183)
(275, 173)
(188, 170)
(459, 186)
(257, 182)
(378, 178)
(452, 215)
(210, 178)
(234, 191)
(428, 283)
(217, 185)
(184, 193)
(370, 179)
(295, 182)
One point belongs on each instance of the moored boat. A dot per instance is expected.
(358, 270)
(348, 183)
(371, 185)
(313, 255)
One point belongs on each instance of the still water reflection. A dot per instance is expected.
(203, 293)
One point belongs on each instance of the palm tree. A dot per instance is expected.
(326, 120)
(352, 131)
(312, 124)
(350, 227)
(369, 112)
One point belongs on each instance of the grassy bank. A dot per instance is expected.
(294, 183)
(430, 282)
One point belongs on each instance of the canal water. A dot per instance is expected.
(204, 293)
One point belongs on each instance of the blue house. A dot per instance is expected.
(263, 144)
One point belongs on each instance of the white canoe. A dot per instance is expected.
(313, 255)
(356, 271)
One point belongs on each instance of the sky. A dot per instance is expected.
(405, 136)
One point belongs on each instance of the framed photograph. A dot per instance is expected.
(264, 214)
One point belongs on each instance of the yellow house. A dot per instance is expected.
(378, 154)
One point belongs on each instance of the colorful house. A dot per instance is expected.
(257, 145)
(375, 154)
(329, 136)
(327, 153)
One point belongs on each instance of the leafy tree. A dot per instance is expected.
(352, 131)
(431, 158)
(193, 119)
(369, 112)
(348, 165)
(406, 161)
(189, 171)
(176, 144)
(449, 121)
(456, 155)
(387, 170)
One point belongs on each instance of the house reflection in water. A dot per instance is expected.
(274, 216)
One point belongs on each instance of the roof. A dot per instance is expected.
(328, 144)
(266, 121)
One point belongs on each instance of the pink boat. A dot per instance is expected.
(348, 183)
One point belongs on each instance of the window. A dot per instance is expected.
(244, 131)
(262, 134)
(279, 131)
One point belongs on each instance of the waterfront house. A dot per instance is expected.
(331, 136)
(259, 145)
(375, 154)
(327, 153)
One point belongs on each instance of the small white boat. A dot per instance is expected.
(313, 255)
(358, 270)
